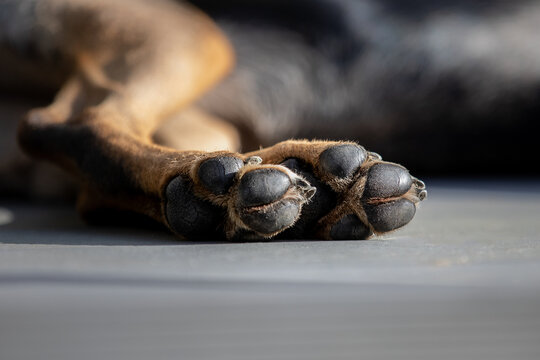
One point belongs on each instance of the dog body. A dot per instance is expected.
(438, 85)
(442, 87)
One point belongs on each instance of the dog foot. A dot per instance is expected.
(299, 189)
(240, 199)
(358, 194)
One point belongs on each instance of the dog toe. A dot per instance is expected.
(391, 215)
(217, 174)
(387, 180)
(342, 160)
(270, 199)
(272, 218)
(188, 215)
(350, 228)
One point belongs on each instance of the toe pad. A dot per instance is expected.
(342, 160)
(217, 174)
(188, 215)
(391, 215)
(274, 218)
(387, 180)
(262, 186)
(350, 228)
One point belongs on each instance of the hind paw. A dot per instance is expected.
(240, 199)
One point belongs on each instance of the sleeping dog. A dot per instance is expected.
(182, 112)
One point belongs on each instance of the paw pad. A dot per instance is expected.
(387, 180)
(270, 200)
(350, 227)
(390, 215)
(188, 215)
(342, 160)
(262, 186)
(217, 174)
(273, 218)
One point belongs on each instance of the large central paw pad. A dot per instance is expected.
(342, 160)
(217, 174)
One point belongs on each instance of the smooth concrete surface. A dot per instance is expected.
(462, 281)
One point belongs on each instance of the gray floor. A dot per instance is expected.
(462, 281)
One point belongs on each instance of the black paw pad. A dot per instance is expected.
(262, 186)
(342, 160)
(188, 215)
(294, 165)
(320, 204)
(387, 180)
(391, 215)
(217, 174)
(350, 228)
(272, 219)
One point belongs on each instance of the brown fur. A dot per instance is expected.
(116, 103)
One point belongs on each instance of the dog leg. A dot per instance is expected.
(134, 64)
(149, 62)
(195, 193)
(195, 129)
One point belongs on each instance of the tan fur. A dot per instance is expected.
(124, 85)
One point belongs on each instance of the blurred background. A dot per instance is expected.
(443, 87)
(449, 89)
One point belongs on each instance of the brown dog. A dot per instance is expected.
(126, 123)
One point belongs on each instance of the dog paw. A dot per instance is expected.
(239, 199)
(293, 190)
(358, 194)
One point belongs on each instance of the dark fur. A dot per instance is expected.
(363, 70)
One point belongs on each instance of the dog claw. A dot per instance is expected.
(254, 160)
(305, 188)
(373, 156)
(418, 183)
